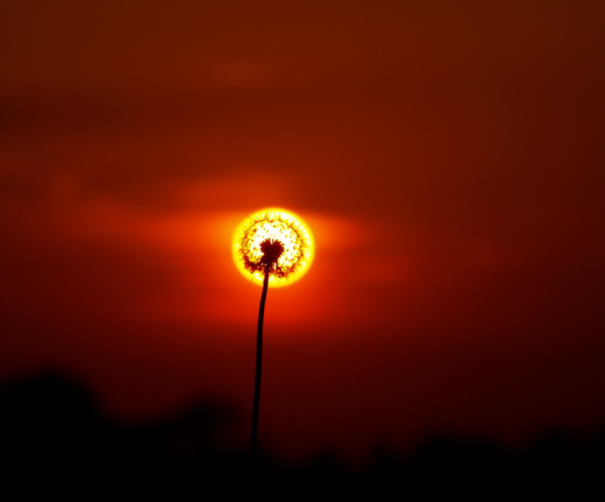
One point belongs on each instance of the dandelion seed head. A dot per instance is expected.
(274, 240)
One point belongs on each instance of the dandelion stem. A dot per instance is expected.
(259, 364)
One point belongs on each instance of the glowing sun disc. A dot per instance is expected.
(273, 224)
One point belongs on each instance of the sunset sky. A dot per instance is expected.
(448, 156)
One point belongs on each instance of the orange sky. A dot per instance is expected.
(448, 157)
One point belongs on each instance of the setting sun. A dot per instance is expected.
(285, 232)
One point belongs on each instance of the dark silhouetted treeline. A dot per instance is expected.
(54, 441)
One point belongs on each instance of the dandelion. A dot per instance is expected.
(253, 247)
(272, 247)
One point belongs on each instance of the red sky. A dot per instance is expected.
(448, 156)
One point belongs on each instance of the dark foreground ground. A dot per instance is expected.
(53, 440)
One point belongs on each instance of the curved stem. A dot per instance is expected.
(259, 364)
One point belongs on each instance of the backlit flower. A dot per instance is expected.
(276, 241)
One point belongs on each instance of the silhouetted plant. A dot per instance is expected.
(274, 245)
(272, 250)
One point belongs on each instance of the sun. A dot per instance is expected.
(273, 239)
